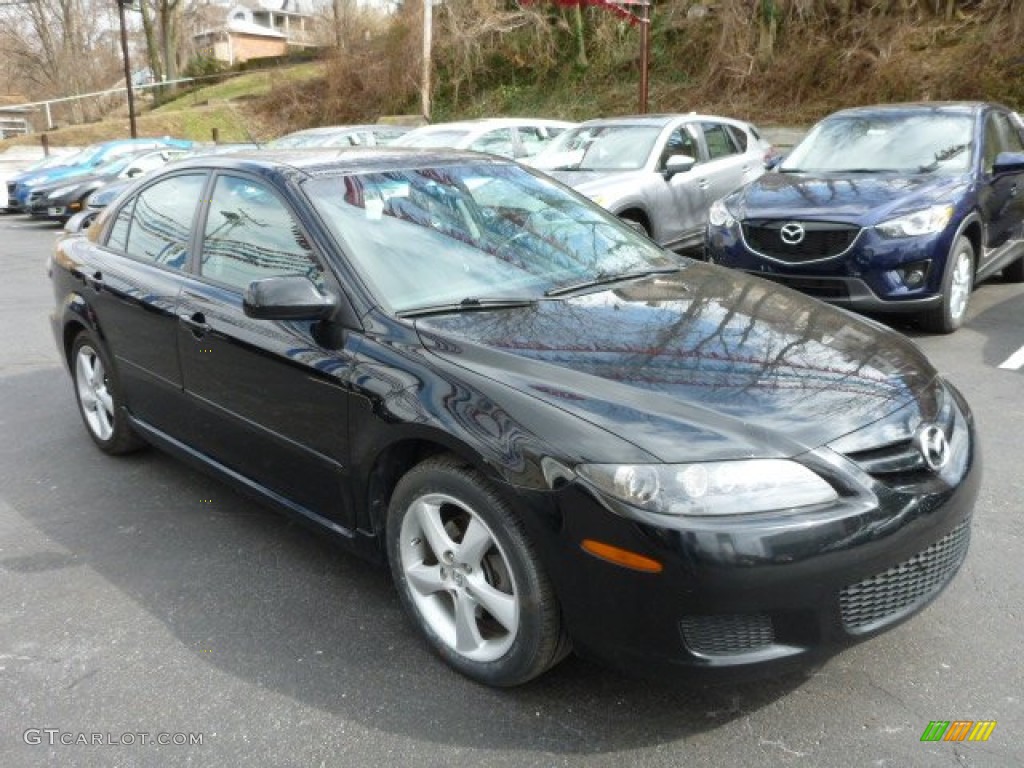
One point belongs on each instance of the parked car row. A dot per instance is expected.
(897, 208)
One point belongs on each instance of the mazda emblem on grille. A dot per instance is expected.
(933, 446)
(792, 233)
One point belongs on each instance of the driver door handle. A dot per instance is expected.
(196, 322)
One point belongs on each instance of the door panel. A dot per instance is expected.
(134, 287)
(267, 399)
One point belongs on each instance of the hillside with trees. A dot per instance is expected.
(787, 61)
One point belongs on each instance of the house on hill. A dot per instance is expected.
(254, 29)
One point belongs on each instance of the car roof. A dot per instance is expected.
(916, 107)
(659, 120)
(330, 130)
(492, 122)
(326, 162)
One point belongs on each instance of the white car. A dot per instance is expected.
(514, 137)
(660, 172)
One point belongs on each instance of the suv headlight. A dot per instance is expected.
(719, 214)
(925, 222)
(711, 488)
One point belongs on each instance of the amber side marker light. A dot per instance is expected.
(622, 557)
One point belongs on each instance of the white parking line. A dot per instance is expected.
(1015, 361)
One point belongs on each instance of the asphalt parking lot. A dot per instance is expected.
(140, 599)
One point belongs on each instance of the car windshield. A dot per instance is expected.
(600, 148)
(444, 138)
(471, 234)
(895, 143)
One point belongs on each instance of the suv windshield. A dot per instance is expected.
(600, 148)
(475, 233)
(886, 143)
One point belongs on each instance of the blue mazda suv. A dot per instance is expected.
(894, 208)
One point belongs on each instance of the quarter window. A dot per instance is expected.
(719, 142)
(250, 235)
(498, 142)
(161, 220)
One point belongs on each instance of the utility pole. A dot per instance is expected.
(645, 52)
(428, 32)
(127, 66)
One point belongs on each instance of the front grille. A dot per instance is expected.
(897, 592)
(821, 240)
(900, 464)
(727, 634)
(818, 288)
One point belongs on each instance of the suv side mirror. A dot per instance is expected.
(1008, 162)
(678, 164)
(289, 297)
(79, 222)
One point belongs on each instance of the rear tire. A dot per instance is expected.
(468, 576)
(957, 284)
(99, 398)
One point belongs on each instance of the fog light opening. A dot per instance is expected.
(621, 557)
(914, 275)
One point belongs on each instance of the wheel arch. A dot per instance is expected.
(395, 459)
(637, 214)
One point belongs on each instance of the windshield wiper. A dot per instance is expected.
(605, 279)
(863, 170)
(940, 157)
(469, 304)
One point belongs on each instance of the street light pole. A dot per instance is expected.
(127, 67)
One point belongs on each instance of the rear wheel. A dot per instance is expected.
(957, 284)
(469, 577)
(99, 397)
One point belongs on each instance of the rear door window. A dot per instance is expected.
(160, 224)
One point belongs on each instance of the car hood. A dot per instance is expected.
(78, 180)
(596, 182)
(702, 363)
(858, 198)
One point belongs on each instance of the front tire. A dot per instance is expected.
(957, 284)
(99, 397)
(469, 577)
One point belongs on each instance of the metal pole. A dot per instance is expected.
(645, 53)
(428, 29)
(127, 68)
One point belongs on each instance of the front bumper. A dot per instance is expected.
(757, 594)
(869, 276)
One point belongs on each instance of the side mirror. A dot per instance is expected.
(79, 222)
(1008, 162)
(290, 297)
(773, 162)
(678, 164)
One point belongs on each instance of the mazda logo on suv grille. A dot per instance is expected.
(933, 446)
(792, 233)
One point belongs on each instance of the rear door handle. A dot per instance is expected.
(196, 323)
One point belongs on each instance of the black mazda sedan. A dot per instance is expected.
(555, 434)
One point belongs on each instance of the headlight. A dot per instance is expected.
(719, 215)
(925, 222)
(711, 488)
(600, 199)
(61, 191)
